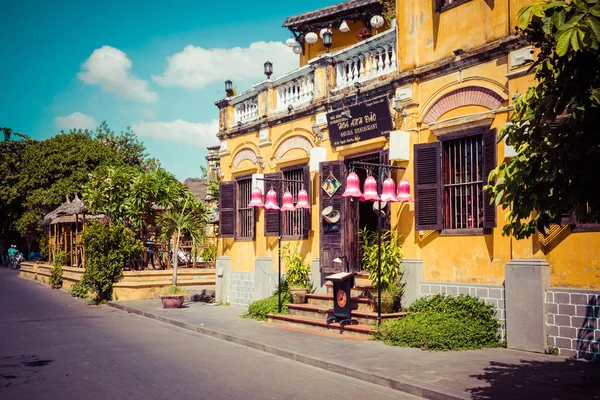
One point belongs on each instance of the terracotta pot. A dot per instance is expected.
(172, 301)
(298, 295)
(388, 303)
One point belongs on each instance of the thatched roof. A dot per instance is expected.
(69, 207)
(197, 186)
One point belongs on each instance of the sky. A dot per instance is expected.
(155, 66)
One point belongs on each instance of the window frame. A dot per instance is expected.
(238, 209)
(446, 7)
(577, 226)
(285, 215)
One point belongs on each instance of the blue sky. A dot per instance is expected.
(155, 66)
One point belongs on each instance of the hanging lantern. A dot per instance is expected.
(404, 192)
(388, 192)
(352, 186)
(291, 42)
(256, 198)
(322, 32)
(377, 21)
(311, 38)
(288, 202)
(297, 49)
(271, 203)
(371, 189)
(344, 26)
(303, 200)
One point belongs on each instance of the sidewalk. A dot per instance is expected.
(481, 374)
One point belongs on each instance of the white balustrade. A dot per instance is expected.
(369, 59)
(246, 111)
(295, 92)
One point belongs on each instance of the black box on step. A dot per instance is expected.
(343, 282)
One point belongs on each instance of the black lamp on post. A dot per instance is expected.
(327, 40)
(268, 69)
(229, 88)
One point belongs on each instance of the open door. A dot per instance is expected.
(332, 215)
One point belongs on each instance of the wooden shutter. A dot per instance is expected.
(273, 217)
(332, 235)
(227, 209)
(306, 228)
(428, 192)
(384, 158)
(489, 163)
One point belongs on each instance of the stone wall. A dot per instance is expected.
(241, 288)
(491, 294)
(572, 324)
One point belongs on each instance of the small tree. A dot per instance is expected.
(555, 124)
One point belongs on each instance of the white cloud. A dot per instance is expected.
(110, 69)
(199, 134)
(195, 67)
(75, 121)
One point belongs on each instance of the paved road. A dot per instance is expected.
(53, 346)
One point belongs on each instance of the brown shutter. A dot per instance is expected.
(428, 192)
(489, 163)
(332, 235)
(306, 228)
(227, 209)
(273, 217)
(384, 159)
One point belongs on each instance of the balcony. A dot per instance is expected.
(366, 60)
(246, 110)
(295, 89)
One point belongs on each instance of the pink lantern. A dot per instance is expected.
(256, 198)
(302, 200)
(404, 192)
(352, 186)
(271, 203)
(388, 193)
(371, 189)
(288, 202)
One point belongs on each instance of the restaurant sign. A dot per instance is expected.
(367, 120)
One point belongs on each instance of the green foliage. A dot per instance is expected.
(108, 249)
(209, 254)
(554, 126)
(56, 279)
(388, 9)
(260, 308)
(298, 273)
(172, 290)
(79, 290)
(391, 254)
(444, 322)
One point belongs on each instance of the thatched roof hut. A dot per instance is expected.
(70, 207)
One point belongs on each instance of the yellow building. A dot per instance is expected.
(430, 92)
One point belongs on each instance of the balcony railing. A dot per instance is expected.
(296, 88)
(369, 59)
(246, 111)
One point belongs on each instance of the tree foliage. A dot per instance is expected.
(555, 124)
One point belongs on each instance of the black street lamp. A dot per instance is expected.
(268, 69)
(327, 40)
(229, 87)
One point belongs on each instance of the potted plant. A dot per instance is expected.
(172, 297)
(298, 274)
(391, 272)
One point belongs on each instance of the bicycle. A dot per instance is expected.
(14, 262)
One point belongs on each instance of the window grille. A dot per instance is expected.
(463, 181)
(293, 221)
(245, 220)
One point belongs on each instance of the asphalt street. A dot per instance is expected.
(53, 346)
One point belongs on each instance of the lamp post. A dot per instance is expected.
(276, 207)
(229, 88)
(268, 69)
(380, 169)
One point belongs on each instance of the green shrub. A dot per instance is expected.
(391, 254)
(260, 308)
(444, 322)
(172, 290)
(298, 273)
(209, 254)
(79, 290)
(108, 249)
(56, 279)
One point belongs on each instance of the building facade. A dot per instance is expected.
(430, 92)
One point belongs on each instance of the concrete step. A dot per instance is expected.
(359, 331)
(326, 300)
(317, 312)
(356, 291)
(182, 275)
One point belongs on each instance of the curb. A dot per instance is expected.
(422, 390)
